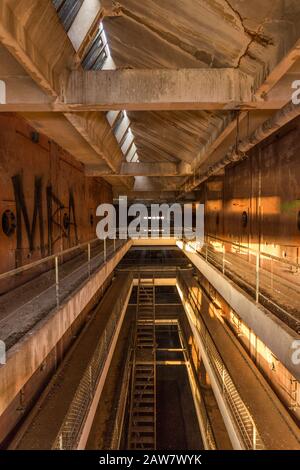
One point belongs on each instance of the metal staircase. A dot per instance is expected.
(142, 419)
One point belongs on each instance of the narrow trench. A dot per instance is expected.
(177, 424)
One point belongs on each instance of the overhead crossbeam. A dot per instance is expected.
(157, 89)
(193, 89)
(152, 90)
(143, 169)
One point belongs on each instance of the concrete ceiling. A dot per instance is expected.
(177, 39)
(251, 36)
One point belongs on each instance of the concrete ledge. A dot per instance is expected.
(28, 354)
(155, 242)
(277, 336)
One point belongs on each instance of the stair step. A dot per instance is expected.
(147, 381)
(144, 401)
(143, 429)
(143, 385)
(142, 440)
(144, 377)
(139, 410)
(144, 419)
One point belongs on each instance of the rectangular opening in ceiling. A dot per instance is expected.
(97, 53)
(67, 11)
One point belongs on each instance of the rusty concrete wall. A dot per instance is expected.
(35, 167)
(263, 190)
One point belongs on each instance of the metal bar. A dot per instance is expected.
(223, 260)
(57, 280)
(89, 259)
(27, 267)
(253, 251)
(257, 276)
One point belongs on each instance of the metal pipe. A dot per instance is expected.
(280, 119)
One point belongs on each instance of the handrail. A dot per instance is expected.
(252, 250)
(264, 280)
(242, 418)
(204, 420)
(122, 401)
(34, 264)
(70, 430)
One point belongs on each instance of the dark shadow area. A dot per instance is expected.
(177, 425)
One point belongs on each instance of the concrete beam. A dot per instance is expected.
(58, 128)
(279, 71)
(157, 89)
(19, 86)
(266, 129)
(152, 196)
(145, 195)
(277, 86)
(144, 169)
(148, 183)
(96, 130)
(32, 32)
(206, 89)
(34, 35)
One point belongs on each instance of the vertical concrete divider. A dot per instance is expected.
(93, 407)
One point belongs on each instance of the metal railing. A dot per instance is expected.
(204, 421)
(269, 279)
(44, 284)
(121, 406)
(241, 417)
(71, 429)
